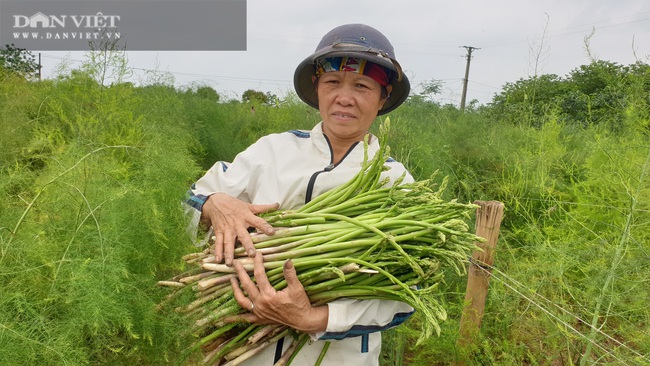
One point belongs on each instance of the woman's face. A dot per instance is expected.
(348, 104)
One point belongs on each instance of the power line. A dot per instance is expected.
(219, 77)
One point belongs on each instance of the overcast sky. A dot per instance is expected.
(516, 38)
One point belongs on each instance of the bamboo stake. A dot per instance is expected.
(488, 222)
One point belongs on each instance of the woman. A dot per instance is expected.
(351, 78)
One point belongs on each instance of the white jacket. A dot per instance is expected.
(291, 168)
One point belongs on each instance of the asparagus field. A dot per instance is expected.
(92, 176)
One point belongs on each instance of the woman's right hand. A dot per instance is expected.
(230, 219)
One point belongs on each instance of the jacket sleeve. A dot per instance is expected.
(222, 177)
(238, 179)
(197, 195)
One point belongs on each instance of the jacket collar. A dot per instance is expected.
(354, 157)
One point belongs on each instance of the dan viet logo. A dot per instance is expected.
(41, 20)
(147, 25)
(65, 26)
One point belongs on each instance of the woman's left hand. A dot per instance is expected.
(290, 306)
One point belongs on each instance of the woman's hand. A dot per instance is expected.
(290, 306)
(230, 219)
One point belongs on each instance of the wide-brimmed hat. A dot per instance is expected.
(353, 40)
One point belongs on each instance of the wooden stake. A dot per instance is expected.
(488, 222)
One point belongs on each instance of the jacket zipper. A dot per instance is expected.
(312, 179)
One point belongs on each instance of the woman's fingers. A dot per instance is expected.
(231, 218)
(291, 306)
(247, 283)
(242, 300)
(229, 240)
(262, 280)
(259, 223)
(218, 246)
(291, 276)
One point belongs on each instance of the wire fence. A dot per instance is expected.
(551, 309)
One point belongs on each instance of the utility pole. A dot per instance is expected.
(465, 81)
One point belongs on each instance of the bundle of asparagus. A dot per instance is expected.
(361, 240)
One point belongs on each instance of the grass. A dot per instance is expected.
(91, 177)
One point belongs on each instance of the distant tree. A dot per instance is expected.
(594, 78)
(638, 76)
(599, 92)
(640, 70)
(527, 101)
(206, 92)
(539, 89)
(255, 96)
(429, 90)
(19, 61)
(259, 97)
(272, 99)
